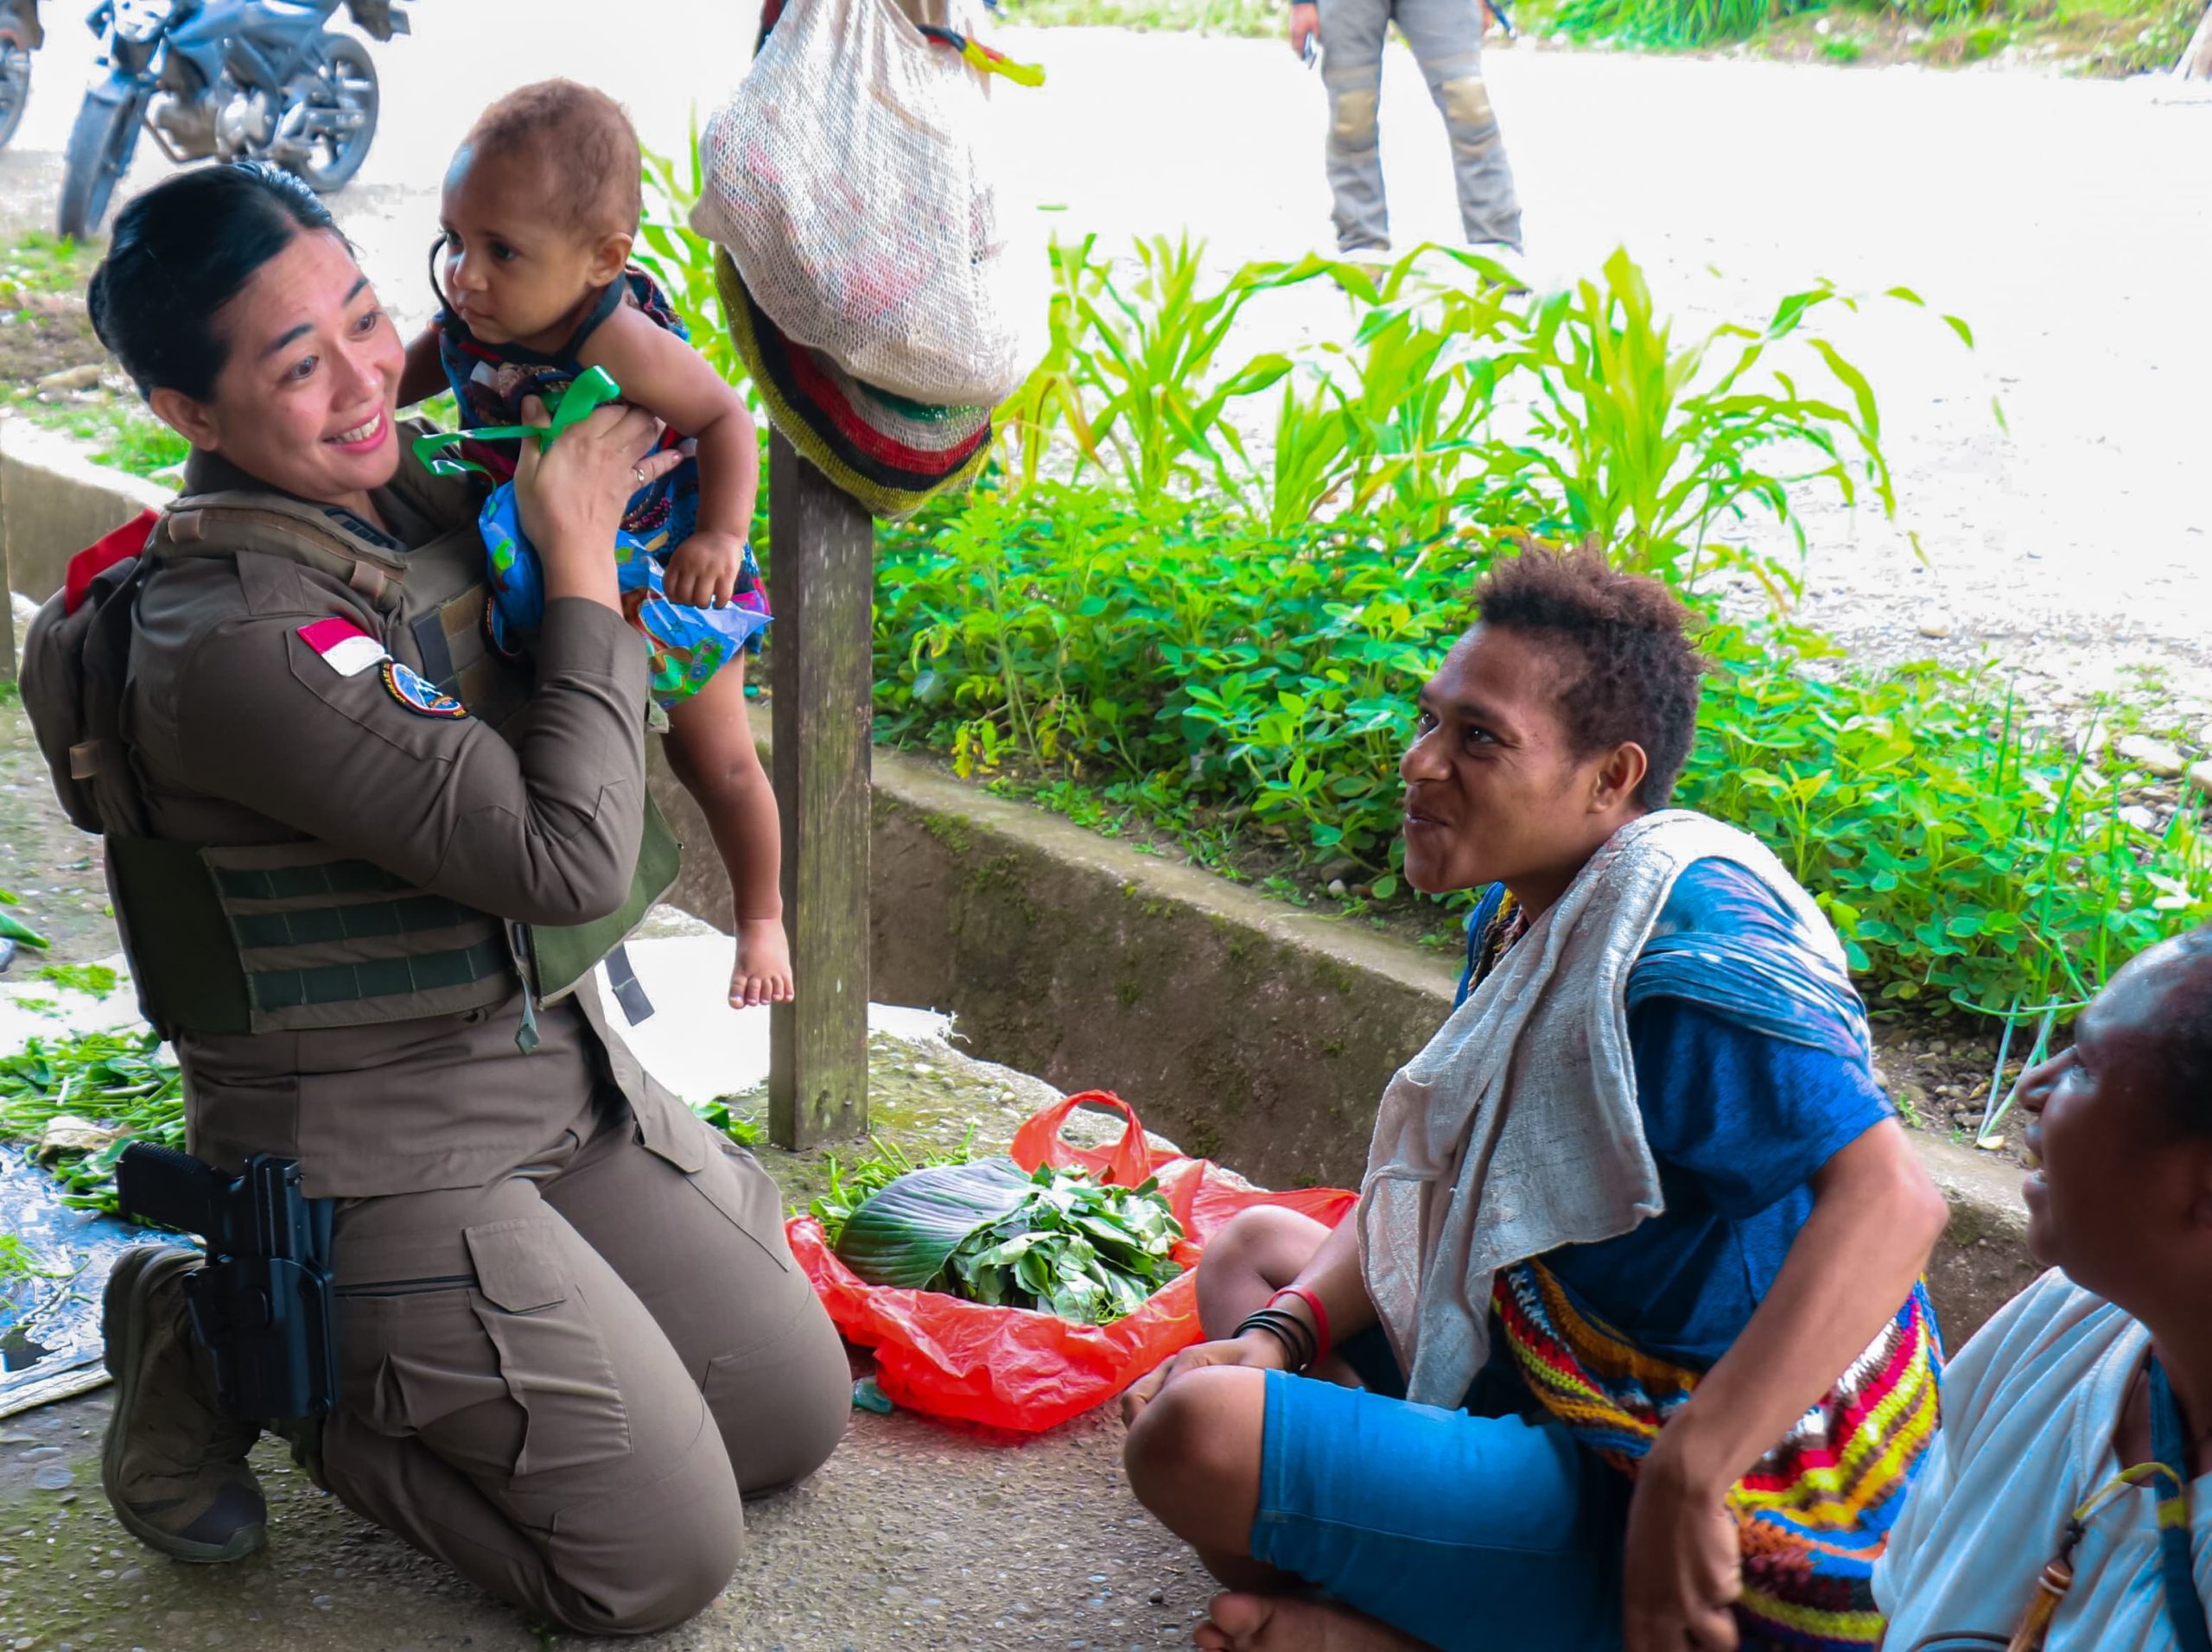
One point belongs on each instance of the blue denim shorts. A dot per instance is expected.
(1469, 1532)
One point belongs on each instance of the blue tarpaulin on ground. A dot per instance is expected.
(50, 1322)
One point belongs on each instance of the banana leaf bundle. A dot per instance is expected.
(1055, 1241)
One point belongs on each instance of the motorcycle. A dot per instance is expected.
(20, 36)
(237, 79)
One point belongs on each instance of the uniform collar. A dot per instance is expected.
(416, 510)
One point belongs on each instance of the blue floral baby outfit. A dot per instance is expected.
(688, 645)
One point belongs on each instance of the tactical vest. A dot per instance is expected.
(227, 938)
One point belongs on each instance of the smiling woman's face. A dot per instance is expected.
(310, 380)
(1495, 793)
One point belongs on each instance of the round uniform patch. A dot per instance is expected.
(409, 687)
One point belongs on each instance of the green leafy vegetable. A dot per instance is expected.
(96, 979)
(850, 1186)
(738, 1129)
(13, 928)
(905, 1235)
(117, 1080)
(19, 1262)
(1055, 1241)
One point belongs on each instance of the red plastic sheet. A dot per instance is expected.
(1016, 1368)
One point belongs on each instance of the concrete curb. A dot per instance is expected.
(1241, 1028)
(1244, 1029)
(54, 502)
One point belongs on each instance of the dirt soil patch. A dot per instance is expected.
(46, 333)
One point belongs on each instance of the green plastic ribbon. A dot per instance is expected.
(585, 396)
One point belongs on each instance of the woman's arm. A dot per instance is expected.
(1875, 1217)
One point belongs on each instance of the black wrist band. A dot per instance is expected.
(1308, 1341)
(1287, 1329)
(1289, 1346)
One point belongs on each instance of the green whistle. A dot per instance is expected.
(586, 395)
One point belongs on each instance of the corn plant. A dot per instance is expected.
(1051, 399)
(1685, 24)
(1151, 353)
(1655, 451)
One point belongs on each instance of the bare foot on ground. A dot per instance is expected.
(1277, 1623)
(763, 974)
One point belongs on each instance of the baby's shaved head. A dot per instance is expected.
(584, 142)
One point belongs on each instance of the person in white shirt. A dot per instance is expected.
(2037, 1522)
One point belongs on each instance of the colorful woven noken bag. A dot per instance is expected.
(892, 454)
(851, 175)
(1814, 1513)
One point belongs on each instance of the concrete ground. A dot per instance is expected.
(917, 1533)
(2070, 221)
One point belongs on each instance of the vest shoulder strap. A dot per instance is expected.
(269, 524)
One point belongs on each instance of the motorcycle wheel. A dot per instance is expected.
(99, 149)
(347, 80)
(15, 81)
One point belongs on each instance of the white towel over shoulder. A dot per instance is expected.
(1516, 1130)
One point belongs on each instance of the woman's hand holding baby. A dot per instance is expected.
(571, 495)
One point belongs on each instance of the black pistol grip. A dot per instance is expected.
(161, 1185)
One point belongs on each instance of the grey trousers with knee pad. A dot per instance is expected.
(1446, 36)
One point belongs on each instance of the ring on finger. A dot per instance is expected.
(637, 474)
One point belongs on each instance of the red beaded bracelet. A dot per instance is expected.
(1320, 1316)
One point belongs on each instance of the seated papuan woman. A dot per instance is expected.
(1642, 1176)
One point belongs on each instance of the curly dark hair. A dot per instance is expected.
(1635, 674)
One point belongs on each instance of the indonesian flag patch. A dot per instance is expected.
(343, 646)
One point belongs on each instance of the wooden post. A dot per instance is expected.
(822, 580)
(2196, 58)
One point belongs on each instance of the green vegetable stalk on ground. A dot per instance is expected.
(77, 1102)
(13, 928)
(18, 1262)
(852, 1186)
(1056, 1240)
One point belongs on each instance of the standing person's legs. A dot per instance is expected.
(705, 1253)
(1447, 40)
(510, 1405)
(1352, 68)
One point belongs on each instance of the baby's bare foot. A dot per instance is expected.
(763, 974)
(1279, 1623)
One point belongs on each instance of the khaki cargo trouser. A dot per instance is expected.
(561, 1384)
(1446, 36)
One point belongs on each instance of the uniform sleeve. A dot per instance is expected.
(1752, 1118)
(544, 831)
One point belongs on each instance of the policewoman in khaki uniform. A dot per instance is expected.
(362, 864)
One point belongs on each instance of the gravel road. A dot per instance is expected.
(2070, 221)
